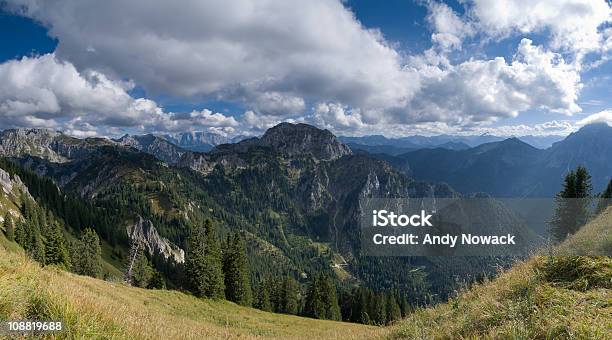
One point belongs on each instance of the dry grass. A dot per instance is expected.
(93, 308)
(566, 297)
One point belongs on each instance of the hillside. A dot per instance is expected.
(91, 307)
(563, 297)
(568, 297)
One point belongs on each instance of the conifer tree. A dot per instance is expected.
(393, 309)
(605, 198)
(86, 254)
(322, 301)
(56, 251)
(573, 202)
(262, 299)
(379, 316)
(203, 262)
(142, 272)
(404, 305)
(236, 272)
(290, 299)
(36, 246)
(9, 227)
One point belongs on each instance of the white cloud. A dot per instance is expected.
(481, 90)
(449, 28)
(604, 116)
(573, 24)
(280, 57)
(277, 53)
(47, 92)
(337, 116)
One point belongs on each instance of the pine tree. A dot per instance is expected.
(142, 272)
(157, 281)
(380, 309)
(573, 202)
(321, 301)
(86, 254)
(262, 300)
(605, 198)
(404, 306)
(236, 272)
(56, 251)
(393, 309)
(290, 298)
(203, 262)
(36, 247)
(9, 227)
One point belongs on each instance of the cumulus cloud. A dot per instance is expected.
(295, 61)
(574, 24)
(449, 28)
(481, 90)
(277, 52)
(46, 92)
(604, 116)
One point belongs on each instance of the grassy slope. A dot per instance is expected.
(543, 298)
(566, 297)
(92, 308)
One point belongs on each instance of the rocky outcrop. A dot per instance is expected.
(50, 145)
(303, 139)
(12, 184)
(154, 145)
(144, 232)
(12, 191)
(291, 141)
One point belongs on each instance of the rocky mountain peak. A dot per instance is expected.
(297, 139)
(154, 145)
(35, 142)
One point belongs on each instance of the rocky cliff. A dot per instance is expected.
(143, 232)
(50, 145)
(154, 145)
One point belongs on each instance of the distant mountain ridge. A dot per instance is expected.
(514, 168)
(200, 141)
(411, 143)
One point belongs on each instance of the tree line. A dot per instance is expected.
(575, 203)
(222, 271)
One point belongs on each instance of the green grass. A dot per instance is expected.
(564, 297)
(92, 308)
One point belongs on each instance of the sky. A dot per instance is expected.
(357, 67)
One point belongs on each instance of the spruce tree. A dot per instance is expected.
(380, 309)
(262, 299)
(290, 292)
(56, 251)
(36, 246)
(86, 254)
(573, 202)
(142, 272)
(404, 305)
(322, 301)
(393, 309)
(203, 262)
(9, 227)
(605, 198)
(236, 272)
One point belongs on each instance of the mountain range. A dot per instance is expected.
(294, 193)
(410, 143)
(511, 167)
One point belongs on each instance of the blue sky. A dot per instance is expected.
(393, 67)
